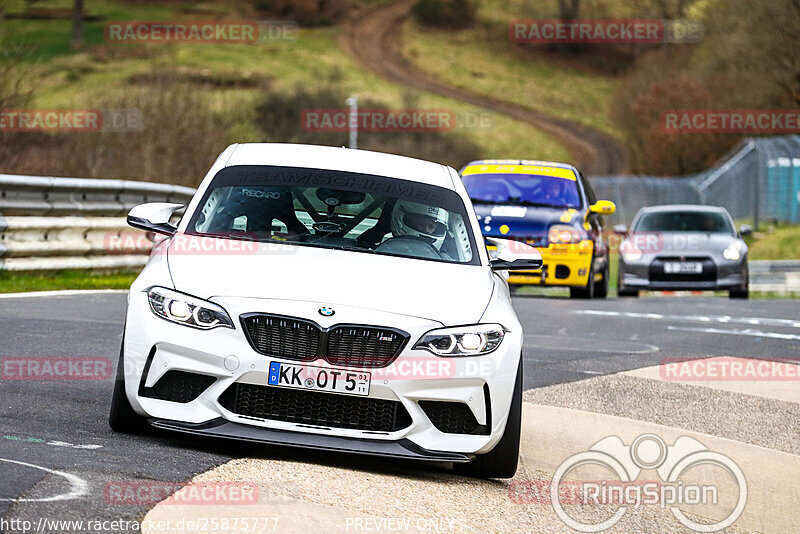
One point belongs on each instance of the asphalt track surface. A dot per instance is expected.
(61, 425)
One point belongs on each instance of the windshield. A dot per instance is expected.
(523, 189)
(338, 210)
(684, 221)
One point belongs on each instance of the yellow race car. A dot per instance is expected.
(552, 207)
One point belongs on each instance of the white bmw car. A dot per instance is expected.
(331, 299)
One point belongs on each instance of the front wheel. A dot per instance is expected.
(122, 417)
(624, 292)
(601, 289)
(585, 292)
(502, 461)
(739, 293)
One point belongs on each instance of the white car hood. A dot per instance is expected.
(445, 292)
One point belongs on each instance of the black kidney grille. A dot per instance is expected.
(346, 345)
(283, 337)
(452, 417)
(178, 386)
(315, 408)
(363, 347)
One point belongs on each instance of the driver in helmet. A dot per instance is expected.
(553, 192)
(427, 223)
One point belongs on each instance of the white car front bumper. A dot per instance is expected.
(484, 384)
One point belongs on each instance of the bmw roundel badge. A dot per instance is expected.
(326, 311)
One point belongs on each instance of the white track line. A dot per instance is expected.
(722, 319)
(78, 486)
(748, 332)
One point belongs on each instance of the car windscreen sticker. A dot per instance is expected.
(509, 211)
(568, 215)
(556, 172)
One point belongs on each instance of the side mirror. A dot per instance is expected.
(154, 217)
(746, 229)
(514, 256)
(603, 207)
(621, 229)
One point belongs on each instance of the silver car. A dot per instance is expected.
(683, 247)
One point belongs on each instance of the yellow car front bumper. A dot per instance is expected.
(563, 265)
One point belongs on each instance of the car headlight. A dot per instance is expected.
(733, 251)
(187, 310)
(475, 340)
(563, 233)
(630, 252)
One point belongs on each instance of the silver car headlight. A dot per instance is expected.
(630, 252)
(475, 340)
(733, 251)
(187, 310)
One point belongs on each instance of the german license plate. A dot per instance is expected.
(331, 379)
(683, 267)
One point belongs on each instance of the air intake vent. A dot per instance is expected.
(178, 386)
(315, 408)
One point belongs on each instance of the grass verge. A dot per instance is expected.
(777, 243)
(18, 282)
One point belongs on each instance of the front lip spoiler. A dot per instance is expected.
(221, 428)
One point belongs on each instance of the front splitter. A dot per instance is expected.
(221, 428)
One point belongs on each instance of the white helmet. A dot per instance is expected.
(428, 223)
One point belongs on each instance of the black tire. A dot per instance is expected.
(739, 293)
(601, 289)
(122, 417)
(625, 292)
(502, 461)
(587, 291)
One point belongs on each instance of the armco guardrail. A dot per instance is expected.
(780, 276)
(73, 223)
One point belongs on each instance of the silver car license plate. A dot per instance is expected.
(683, 267)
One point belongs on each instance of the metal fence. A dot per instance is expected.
(759, 180)
(68, 223)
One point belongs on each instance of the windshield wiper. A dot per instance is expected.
(240, 237)
(517, 202)
(540, 204)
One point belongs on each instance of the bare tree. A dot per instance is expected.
(569, 9)
(77, 23)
